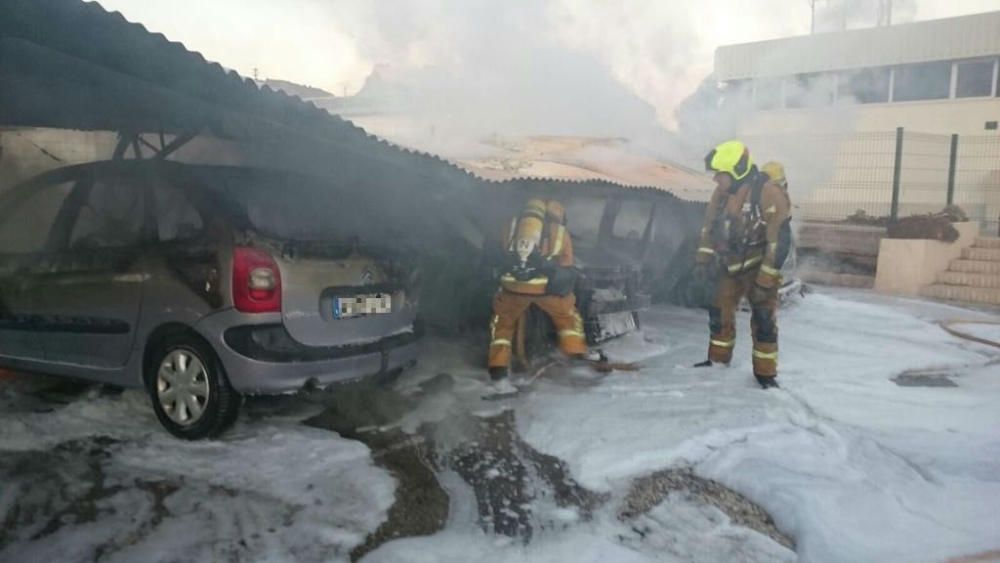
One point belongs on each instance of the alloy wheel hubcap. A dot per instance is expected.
(182, 387)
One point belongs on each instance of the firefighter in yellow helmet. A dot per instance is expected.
(775, 172)
(744, 241)
(540, 273)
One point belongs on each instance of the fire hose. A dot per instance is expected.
(948, 326)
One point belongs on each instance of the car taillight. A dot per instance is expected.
(256, 282)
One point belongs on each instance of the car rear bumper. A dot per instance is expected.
(270, 364)
(253, 377)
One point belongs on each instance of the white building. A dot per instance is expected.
(936, 76)
(829, 104)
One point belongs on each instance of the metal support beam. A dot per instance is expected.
(136, 141)
(124, 140)
(178, 142)
(897, 170)
(952, 161)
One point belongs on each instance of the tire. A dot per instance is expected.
(182, 359)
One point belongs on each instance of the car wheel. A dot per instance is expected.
(189, 388)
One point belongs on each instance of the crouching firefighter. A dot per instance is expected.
(744, 241)
(539, 271)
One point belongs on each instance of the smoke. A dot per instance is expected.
(463, 73)
(836, 15)
(469, 71)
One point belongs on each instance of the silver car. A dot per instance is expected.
(200, 284)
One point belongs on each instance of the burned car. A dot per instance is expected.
(199, 284)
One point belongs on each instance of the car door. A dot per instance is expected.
(89, 290)
(27, 216)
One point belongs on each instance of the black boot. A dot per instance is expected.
(496, 374)
(705, 364)
(767, 382)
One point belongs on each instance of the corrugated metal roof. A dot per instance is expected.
(582, 159)
(71, 64)
(935, 40)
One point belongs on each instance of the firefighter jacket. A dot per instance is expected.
(745, 228)
(554, 250)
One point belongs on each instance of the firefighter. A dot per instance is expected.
(744, 240)
(540, 273)
(775, 172)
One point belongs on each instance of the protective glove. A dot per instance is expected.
(547, 267)
(523, 274)
(510, 262)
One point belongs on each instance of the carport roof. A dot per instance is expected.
(70, 64)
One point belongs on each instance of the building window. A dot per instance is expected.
(866, 86)
(925, 81)
(736, 93)
(809, 90)
(975, 78)
(767, 93)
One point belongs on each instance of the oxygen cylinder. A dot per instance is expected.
(528, 235)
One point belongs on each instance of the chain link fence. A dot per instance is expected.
(876, 177)
(977, 180)
(860, 182)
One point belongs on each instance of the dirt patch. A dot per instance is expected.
(649, 491)
(498, 477)
(421, 506)
(55, 488)
(68, 486)
(923, 380)
(510, 477)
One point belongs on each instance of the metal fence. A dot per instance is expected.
(888, 175)
(977, 179)
(862, 170)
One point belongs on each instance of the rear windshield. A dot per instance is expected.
(583, 218)
(292, 207)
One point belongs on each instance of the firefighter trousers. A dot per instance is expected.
(508, 308)
(763, 322)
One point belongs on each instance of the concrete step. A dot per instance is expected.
(974, 266)
(969, 279)
(987, 242)
(988, 254)
(962, 293)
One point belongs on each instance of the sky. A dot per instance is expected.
(657, 51)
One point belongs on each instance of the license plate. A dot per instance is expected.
(361, 305)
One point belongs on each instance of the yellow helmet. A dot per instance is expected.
(776, 172)
(731, 157)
